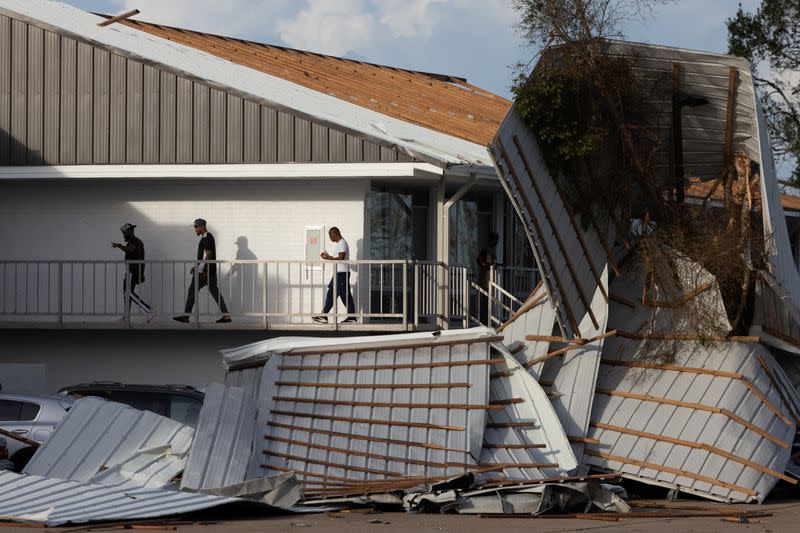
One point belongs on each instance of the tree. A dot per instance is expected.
(770, 40)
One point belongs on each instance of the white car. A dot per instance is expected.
(32, 418)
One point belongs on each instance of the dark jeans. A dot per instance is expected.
(135, 298)
(342, 290)
(211, 281)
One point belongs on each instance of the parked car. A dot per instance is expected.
(31, 417)
(179, 402)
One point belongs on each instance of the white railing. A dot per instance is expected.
(493, 301)
(276, 294)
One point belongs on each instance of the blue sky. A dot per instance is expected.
(469, 38)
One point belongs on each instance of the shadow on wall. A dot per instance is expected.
(36, 215)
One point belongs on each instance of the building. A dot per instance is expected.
(156, 126)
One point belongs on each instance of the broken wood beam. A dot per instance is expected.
(366, 420)
(491, 407)
(118, 18)
(19, 438)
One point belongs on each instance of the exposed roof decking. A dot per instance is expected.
(443, 103)
(413, 139)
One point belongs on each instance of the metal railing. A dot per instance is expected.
(276, 294)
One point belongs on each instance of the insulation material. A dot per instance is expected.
(223, 441)
(712, 422)
(108, 442)
(370, 410)
(525, 431)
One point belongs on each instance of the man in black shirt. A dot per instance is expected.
(134, 251)
(206, 273)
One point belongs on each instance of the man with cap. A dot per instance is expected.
(134, 251)
(206, 273)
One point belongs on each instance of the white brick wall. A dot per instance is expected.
(77, 220)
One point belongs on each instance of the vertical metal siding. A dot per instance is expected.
(83, 129)
(35, 94)
(302, 140)
(252, 138)
(69, 68)
(52, 91)
(218, 125)
(354, 149)
(183, 117)
(202, 124)
(116, 152)
(234, 133)
(134, 114)
(151, 113)
(285, 136)
(388, 155)
(5, 88)
(19, 83)
(167, 118)
(372, 152)
(319, 143)
(337, 149)
(66, 101)
(101, 105)
(269, 135)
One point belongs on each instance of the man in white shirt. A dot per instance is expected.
(340, 253)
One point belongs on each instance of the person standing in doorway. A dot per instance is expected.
(206, 273)
(134, 251)
(342, 278)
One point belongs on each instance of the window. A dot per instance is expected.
(15, 411)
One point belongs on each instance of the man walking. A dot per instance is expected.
(342, 277)
(134, 251)
(206, 273)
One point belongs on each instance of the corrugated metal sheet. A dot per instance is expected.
(711, 422)
(571, 376)
(239, 80)
(56, 501)
(526, 431)
(392, 408)
(535, 317)
(570, 258)
(108, 442)
(703, 74)
(223, 442)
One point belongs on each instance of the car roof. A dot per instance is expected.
(33, 397)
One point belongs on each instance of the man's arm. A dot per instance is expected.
(127, 248)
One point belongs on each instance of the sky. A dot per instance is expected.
(474, 39)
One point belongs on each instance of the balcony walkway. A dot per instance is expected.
(279, 295)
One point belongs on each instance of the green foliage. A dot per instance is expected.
(770, 40)
(564, 113)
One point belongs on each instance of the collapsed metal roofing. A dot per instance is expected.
(719, 418)
(416, 140)
(53, 501)
(113, 444)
